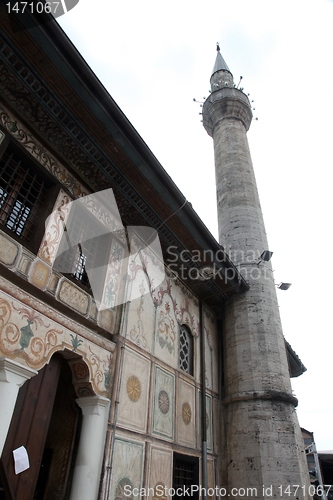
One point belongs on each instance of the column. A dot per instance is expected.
(89, 459)
(12, 377)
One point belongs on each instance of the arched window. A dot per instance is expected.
(185, 350)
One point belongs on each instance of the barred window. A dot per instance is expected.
(23, 194)
(185, 350)
(91, 252)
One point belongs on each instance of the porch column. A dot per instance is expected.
(12, 377)
(88, 465)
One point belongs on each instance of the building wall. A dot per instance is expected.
(155, 406)
(159, 404)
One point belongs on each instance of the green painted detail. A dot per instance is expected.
(107, 376)
(76, 342)
(26, 335)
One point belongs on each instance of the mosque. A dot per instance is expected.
(137, 356)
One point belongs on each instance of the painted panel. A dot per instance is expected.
(175, 306)
(160, 474)
(74, 297)
(54, 228)
(127, 468)
(9, 250)
(141, 314)
(166, 332)
(134, 392)
(186, 414)
(185, 305)
(114, 284)
(163, 410)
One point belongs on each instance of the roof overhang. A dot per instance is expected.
(105, 150)
(296, 366)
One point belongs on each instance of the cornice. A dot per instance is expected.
(98, 166)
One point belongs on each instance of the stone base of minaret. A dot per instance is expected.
(264, 456)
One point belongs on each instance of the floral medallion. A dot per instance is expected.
(133, 388)
(186, 413)
(163, 402)
(80, 370)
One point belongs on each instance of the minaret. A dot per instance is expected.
(263, 446)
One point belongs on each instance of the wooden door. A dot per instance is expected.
(29, 428)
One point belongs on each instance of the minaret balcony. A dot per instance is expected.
(226, 103)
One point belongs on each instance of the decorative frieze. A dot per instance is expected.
(39, 274)
(17, 130)
(74, 297)
(30, 337)
(9, 251)
(105, 319)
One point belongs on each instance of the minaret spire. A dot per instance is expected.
(221, 74)
(220, 63)
(263, 440)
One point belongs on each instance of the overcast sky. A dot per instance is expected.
(154, 57)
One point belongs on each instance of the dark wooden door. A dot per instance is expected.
(29, 428)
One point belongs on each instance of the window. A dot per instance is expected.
(23, 194)
(185, 350)
(84, 246)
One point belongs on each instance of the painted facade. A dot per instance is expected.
(147, 360)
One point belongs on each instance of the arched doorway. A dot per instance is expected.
(46, 421)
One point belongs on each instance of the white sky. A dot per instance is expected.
(154, 56)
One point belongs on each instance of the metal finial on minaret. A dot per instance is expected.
(218, 46)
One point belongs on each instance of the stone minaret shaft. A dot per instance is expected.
(263, 444)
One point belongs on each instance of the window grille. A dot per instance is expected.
(92, 251)
(185, 350)
(185, 475)
(22, 194)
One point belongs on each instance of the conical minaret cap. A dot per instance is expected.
(221, 76)
(220, 64)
